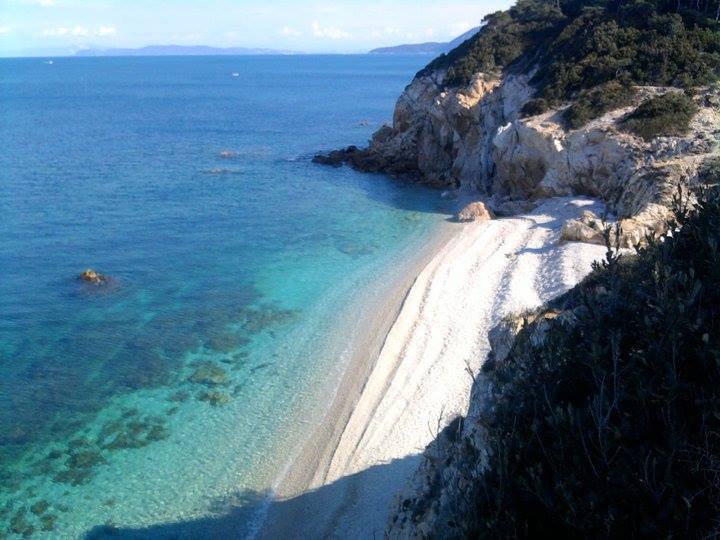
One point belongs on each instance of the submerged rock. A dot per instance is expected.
(209, 375)
(225, 342)
(40, 507)
(48, 522)
(179, 396)
(85, 459)
(475, 211)
(122, 434)
(20, 525)
(220, 170)
(215, 398)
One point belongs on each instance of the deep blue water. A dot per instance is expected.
(170, 391)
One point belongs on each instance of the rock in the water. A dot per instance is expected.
(91, 276)
(337, 157)
(475, 211)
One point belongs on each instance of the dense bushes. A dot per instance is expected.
(666, 115)
(709, 173)
(505, 36)
(601, 99)
(580, 44)
(611, 427)
(534, 107)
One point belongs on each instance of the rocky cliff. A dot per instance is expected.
(476, 140)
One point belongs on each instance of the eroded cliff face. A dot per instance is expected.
(473, 139)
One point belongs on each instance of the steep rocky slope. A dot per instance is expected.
(475, 139)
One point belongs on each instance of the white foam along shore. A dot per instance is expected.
(344, 483)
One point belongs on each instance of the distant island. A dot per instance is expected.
(182, 50)
(430, 47)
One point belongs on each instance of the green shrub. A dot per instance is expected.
(709, 173)
(611, 426)
(667, 115)
(592, 104)
(504, 38)
(534, 107)
(580, 44)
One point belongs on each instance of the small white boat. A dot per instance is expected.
(49, 62)
(235, 74)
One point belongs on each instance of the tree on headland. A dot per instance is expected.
(579, 44)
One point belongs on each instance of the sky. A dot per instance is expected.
(62, 26)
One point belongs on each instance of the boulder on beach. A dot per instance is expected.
(475, 211)
(589, 229)
(94, 277)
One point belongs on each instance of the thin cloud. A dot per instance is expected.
(290, 32)
(79, 31)
(329, 32)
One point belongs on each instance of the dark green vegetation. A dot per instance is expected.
(597, 101)
(709, 173)
(534, 107)
(578, 45)
(665, 115)
(611, 426)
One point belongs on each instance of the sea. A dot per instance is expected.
(169, 400)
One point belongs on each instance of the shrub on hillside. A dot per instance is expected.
(580, 44)
(662, 116)
(709, 173)
(534, 107)
(592, 104)
(611, 427)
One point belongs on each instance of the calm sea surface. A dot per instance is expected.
(171, 399)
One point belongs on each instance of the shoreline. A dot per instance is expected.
(309, 469)
(408, 376)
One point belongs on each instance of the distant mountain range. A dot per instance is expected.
(181, 50)
(431, 47)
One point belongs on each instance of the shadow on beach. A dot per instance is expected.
(330, 511)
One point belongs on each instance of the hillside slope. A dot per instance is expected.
(430, 47)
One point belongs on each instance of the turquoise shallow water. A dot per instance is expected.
(188, 381)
